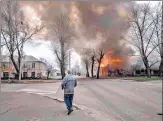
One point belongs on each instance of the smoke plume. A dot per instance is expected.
(96, 24)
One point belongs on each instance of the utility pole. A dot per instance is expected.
(21, 64)
(21, 60)
(9, 69)
(162, 42)
(0, 40)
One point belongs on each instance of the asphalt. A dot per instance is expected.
(19, 106)
(120, 100)
(101, 100)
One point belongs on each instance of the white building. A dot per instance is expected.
(31, 67)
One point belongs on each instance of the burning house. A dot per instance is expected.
(113, 65)
(125, 66)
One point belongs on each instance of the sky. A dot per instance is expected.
(43, 50)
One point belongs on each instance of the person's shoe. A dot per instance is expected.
(69, 111)
(72, 110)
(159, 113)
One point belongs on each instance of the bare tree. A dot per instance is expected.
(93, 57)
(157, 41)
(63, 33)
(142, 32)
(16, 31)
(86, 56)
(99, 59)
(49, 66)
(161, 64)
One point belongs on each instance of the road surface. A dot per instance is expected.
(120, 100)
(18, 106)
(108, 100)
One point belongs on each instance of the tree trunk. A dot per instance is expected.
(98, 70)
(62, 71)
(15, 65)
(93, 60)
(161, 63)
(20, 68)
(87, 69)
(99, 63)
(48, 75)
(62, 60)
(161, 66)
(145, 60)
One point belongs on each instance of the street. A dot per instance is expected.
(104, 100)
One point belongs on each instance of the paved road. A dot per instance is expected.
(120, 100)
(109, 100)
(30, 107)
(42, 89)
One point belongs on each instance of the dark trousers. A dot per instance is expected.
(68, 98)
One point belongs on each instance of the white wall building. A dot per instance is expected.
(31, 67)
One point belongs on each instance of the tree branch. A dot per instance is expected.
(153, 49)
(57, 55)
(149, 40)
(154, 63)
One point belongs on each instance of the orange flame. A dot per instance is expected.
(111, 60)
(102, 65)
(116, 60)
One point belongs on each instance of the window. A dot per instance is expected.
(5, 74)
(25, 74)
(4, 65)
(33, 65)
(33, 74)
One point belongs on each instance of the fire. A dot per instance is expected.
(116, 60)
(111, 61)
(102, 65)
(113, 64)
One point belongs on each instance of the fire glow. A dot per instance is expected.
(117, 60)
(111, 63)
(112, 60)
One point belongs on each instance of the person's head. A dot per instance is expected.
(69, 72)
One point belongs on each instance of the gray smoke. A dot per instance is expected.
(99, 24)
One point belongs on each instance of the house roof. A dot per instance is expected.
(27, 58)
(31, 58)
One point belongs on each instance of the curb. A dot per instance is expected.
(62, 101)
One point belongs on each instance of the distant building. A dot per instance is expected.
(134, 70)
(31, 68)
(55, 72)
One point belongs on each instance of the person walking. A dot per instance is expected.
(68, 84)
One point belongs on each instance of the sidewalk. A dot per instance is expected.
(32, 81)
(32, 107)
